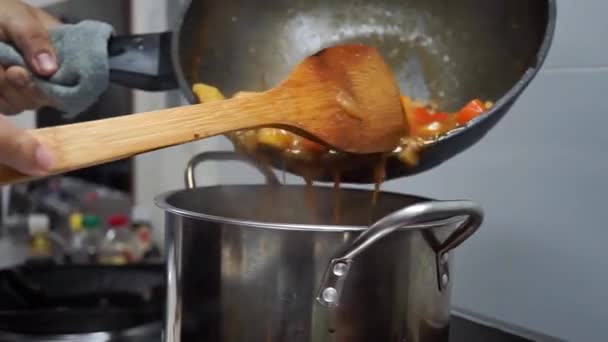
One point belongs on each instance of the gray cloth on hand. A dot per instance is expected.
(83, 75)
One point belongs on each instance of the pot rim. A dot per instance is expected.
(161, 201)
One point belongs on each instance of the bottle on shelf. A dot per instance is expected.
(118, 246)
(93, 237)
(76, 237)
(41, 246)
(141, 230)
(85, 251)
(76, 222)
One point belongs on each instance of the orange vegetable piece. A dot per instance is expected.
(312, 146)
(422, 116)
(440, 117)
(469, 112)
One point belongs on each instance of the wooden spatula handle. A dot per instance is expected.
(81, 145)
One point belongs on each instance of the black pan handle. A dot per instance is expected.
(142, 61)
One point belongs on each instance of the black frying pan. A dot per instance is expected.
(446, 50)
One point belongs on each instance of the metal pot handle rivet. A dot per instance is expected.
(445, 279)
(190, 178)
(330, 295)
(421, 216)
(340, 269)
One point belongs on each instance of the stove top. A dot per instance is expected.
(21, 302)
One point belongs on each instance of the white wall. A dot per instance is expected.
(541, 176)
(160, 171)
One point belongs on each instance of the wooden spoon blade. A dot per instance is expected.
(348, 98)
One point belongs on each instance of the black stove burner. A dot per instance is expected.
(80, 299)
(461, 330)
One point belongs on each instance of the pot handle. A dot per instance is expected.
(142, 61)
(190, 178)
(420, 216)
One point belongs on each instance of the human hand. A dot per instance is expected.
(21, 151)
(27, 28)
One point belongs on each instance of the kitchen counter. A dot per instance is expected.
(462, 329)
(470, 327)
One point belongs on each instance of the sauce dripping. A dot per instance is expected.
(379, 177)
(310, 193)
(337, 199)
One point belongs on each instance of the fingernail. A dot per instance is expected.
(46, 62)
(45, 158)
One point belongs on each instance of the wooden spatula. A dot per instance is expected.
(345, 96)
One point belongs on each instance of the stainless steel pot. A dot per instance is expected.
(268, 263)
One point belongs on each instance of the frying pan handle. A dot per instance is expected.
(420, 216)
(142, 61)
(190, 179)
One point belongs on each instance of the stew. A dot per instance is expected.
(426, 124)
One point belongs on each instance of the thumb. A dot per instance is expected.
(21, 151)
(28, 33)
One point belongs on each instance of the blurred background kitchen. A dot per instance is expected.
(536, 264)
